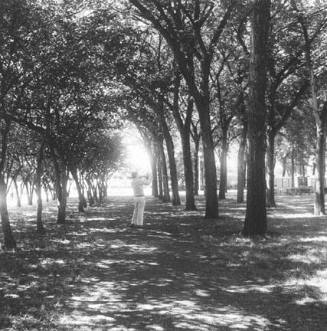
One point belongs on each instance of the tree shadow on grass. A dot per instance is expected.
(178, 273)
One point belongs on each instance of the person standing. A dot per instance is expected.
(137, 184)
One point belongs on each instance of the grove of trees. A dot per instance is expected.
(192, 76)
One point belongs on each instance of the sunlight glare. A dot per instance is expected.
(137, 157)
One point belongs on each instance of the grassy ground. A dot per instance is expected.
(180, 272)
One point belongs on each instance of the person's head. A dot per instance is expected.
(134, 174)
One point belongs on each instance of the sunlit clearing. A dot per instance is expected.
(317, 284)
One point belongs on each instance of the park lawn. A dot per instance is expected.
(180, 272)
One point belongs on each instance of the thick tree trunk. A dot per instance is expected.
(9, 240)
(165, 182)
(38, 188)
(210, 174)
(223, 167)
(319, 200)
(188, 171)
(241, 166)
(61, 189)
(256, 216)
(271, 170)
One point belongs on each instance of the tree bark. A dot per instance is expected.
(188, 171)
(81, 198)
(176, 201)
(210, 174)
(241, 166)
(18, 198)
(38, 189)
(184, 128)
(61, 188)
(159, 167)
(154, 171)
(293, 168)
(223, 166)
(256, 216)
(271, 169)
(319, 200)
(196, 166)
(9, 240)
(165, 183)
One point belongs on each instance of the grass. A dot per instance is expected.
(180, 272)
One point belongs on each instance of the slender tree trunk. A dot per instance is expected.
(165, 183)
(319, 201)
(185, 134)
(176, 201)
(29, 192)
(271, 169)
(241, 166)
(38, 187)
(81, 198)
(18, 199)
(159, 167)
(284, 163)
(256, 216)
(223, 166)
(154, 171)
(196, 166)
(293, 167)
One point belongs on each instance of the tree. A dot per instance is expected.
(256, 217)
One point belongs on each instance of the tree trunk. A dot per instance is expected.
(176, 201)
(165, 182)
(284, 163)
(19, 201)
(9, 240)
(241, 166)
(61, 189)
(319, 200)
(154, 171)
(293, 168)
(196, 166)
(271, 170)
(188, 171)
(159, 167)
(38, 188)
(210, 174)
(29, 191)
(256, 216)
(223, 166)
(81, 198)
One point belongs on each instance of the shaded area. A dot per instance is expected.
(180, 272)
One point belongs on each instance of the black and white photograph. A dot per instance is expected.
(163, 165)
